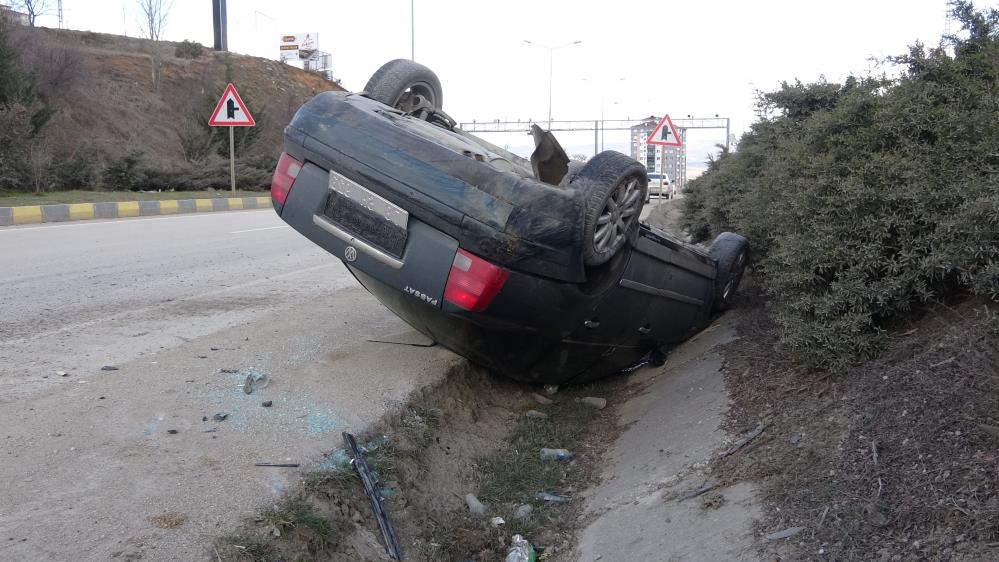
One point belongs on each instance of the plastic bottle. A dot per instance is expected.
(555, 454)
(521, 550)
(549, 497)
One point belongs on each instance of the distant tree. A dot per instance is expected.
(154, 16)
(33, 8)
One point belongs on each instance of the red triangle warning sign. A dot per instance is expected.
(665, 134)
(231, 111)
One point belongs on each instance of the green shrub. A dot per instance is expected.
(74, 172)
(188, 50)
(124, 173)
(252, 173)
(864, 199)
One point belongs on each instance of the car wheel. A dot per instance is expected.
(731, 252)
(406, 86)
(614, 187)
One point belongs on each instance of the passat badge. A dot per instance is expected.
(350, 253)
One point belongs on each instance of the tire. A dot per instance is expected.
(614, 188)
(396, 80)
(731, 252)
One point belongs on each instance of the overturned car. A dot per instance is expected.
(538, 269)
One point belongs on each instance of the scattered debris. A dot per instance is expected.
(109, 368)
(595, 402)
(551, 389)
(278, 464)
(212, 430)
(555, 454)
(714, 500)
(497, 521)
(693, 494)
(523, 511)
(221, 416)
(173, 431)
(369, 482)
(789, 532)
(541, 399)
(213, 348)
(229, 371)
(62, 373)
(942, 363)
(168, 520)
(520, 550)
(550, 497)
(534, 414)
(254, 381)
(267, 403)
(745, 440)
(474, 505)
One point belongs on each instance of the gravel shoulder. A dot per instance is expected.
(130, 463)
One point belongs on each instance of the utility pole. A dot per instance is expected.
(412, 30)
(220, 25)
(60, 14)
(551, 56)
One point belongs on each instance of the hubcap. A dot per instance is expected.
(619, 212)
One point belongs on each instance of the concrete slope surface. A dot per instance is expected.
(671, 431)
(132, 463)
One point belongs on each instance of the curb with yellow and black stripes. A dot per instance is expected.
(31, 214)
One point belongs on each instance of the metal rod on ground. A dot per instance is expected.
(368, 481)
(232, 158)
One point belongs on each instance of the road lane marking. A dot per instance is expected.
(259, 229)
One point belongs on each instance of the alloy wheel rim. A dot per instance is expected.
(617, 215)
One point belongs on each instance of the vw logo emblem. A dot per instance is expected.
(350, 253)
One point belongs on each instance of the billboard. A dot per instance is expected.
(295, 47)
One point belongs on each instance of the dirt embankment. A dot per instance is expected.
(114, 94)
(894, 459)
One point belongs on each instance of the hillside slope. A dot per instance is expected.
(110, 96)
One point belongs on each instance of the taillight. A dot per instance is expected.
(284, 175)
(473, 282)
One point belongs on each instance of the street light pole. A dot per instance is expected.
(551, 59)
(412, 30)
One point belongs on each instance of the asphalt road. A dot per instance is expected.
(89, 468)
